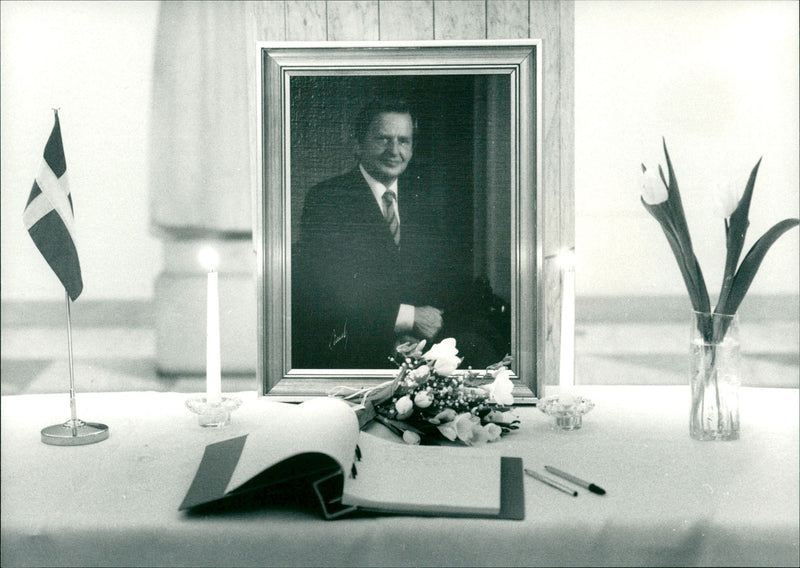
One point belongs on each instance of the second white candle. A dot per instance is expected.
(213, 363)
(567, 374)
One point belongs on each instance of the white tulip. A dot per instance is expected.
(411, 438)
(444, 356)
(445, 348)
(493, 432)
(404, 407)
(726, 199)
(423, 399)
(500, 390)
(652, 187)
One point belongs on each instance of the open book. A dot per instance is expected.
(318, 444)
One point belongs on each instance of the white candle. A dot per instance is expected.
(567, 374)
(213, 365)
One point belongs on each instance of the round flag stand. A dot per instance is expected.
(74, 433)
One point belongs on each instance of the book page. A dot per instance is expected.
(325, 425)
(397, 477)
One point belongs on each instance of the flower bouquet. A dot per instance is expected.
(428, 403)
(715, 358)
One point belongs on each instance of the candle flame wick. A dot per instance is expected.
(208, 257)
(567, 259)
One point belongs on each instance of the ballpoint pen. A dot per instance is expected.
(576, 480)
(552, 483)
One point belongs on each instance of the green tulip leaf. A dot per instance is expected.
(736, 229)
(739, 218)
(671, 216)
(697, 282)
(676, 202)
(749, 267)
(688, 265)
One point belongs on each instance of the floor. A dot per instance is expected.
(119, 353)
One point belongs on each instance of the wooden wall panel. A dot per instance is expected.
(507, 19)
(354, 20)
(306, 20)
(403, 20)
(459, 19)
(566, 167)
(545, 24)
(267, 22)
(567, 117)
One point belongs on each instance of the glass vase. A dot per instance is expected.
(715, 374)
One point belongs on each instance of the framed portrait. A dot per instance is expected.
(465, 137)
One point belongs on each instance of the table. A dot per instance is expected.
(671, 500)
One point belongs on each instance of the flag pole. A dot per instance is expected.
(72, 405)
(73, 432)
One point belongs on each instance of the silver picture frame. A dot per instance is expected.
(519, 64)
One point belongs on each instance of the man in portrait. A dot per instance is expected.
(371, 267)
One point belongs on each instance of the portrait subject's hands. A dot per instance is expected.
(427, 321)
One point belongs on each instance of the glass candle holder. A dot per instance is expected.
(568, 410)
(213, 413)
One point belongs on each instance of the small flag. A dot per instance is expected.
(49, 217)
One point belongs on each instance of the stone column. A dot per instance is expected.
(200, 183)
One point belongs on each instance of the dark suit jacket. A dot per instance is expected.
(349, 278)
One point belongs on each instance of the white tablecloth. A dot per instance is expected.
(671, 500)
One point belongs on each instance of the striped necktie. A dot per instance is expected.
(391, 217)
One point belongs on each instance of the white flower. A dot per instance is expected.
(448, 430)
(419, 374)
(444, 356)
(404, 407)
(463, 424)
(443, 348)
(468, 429)
(500, 390)
(493, 432)
(479, 435)
(726, 199)
(411, 438)
(446, 367)
(446, 415)
(652, 187)
(423, 399)
(501, 417)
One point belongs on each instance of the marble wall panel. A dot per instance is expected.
(354, 20)
(459, 19)
(403, 20)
